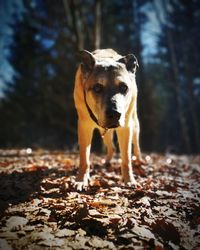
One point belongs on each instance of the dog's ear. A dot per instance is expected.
(88, 61)
(130, 61)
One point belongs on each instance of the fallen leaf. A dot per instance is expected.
(4, 245)
(81, 213)
(97, 242)
(166, 231)
(65, 233)
(143, 232)
(16, 223)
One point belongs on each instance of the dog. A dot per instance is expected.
(105, 96)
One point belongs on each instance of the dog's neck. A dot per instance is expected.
(93, 117)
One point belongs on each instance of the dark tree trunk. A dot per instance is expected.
(175, 70)
(75, 20)
(97, 28)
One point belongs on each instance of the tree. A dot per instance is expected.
(18, 107)
(39, 100)
(174, 55)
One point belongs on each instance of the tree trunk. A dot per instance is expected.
(188, 57)
(191, 97)
(175, 70)
(181, 115)
(144, 107)
(75, 19)
(97, 29)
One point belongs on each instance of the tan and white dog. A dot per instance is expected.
(105, 97)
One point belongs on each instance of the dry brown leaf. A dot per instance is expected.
(163, 214)
(166, 231)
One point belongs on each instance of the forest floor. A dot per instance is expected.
(41, 209)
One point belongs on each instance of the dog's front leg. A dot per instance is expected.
(84, 136)
(125, 144)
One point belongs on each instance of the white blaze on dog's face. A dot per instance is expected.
(109, 86)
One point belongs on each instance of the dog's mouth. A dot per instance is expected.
(111, 123)
(114, 125)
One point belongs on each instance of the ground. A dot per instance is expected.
(41, 209)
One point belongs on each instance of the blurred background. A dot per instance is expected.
(39, 41)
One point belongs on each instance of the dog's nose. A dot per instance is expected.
(112, 114)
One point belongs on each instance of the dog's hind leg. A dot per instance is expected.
(108, 141)
(136, 134)
(136, 145)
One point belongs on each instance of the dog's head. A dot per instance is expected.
(109, 85)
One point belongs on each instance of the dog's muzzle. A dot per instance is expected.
(112, 118)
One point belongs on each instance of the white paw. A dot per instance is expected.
(82, 182)
(130, 181)
(81, 185)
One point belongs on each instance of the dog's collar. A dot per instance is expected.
(90, 111)
(93, 117)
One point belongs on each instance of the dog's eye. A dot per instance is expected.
(123, 88)
(97, 88)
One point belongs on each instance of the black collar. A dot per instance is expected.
(93, 117)
(90, 111)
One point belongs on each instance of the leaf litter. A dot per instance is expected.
(41, 209)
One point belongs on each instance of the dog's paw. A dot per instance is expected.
(82, 182)
(139, 161)
(81, 185)
(133, 184)
(130, 181)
